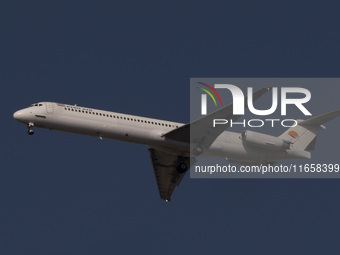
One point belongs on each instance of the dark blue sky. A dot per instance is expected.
(68, 194)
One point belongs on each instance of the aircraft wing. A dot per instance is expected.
(169, 171)
(201, 131)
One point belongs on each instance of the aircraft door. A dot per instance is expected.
(49, 107)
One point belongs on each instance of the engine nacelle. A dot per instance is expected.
(264, 141)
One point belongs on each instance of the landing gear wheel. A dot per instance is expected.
(182, 168)
(30, 131)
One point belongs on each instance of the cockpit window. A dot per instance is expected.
(37, 105)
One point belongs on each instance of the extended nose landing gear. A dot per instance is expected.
(30, 131)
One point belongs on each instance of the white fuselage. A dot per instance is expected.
(136, 129)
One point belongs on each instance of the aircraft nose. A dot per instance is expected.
(21, 116)
(17, 115)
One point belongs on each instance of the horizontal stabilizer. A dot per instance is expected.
(319, 120)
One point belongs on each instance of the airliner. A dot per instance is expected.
(175, 146)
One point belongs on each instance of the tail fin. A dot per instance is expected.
(303, 136)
